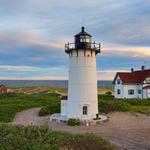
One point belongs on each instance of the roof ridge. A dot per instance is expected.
(134, 77)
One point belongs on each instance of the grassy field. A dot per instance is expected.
(39, 89)
(45, 89)
(18, 137)
(10, 104)
(41, 138)
(50, 103)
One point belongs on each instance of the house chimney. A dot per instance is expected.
(142, 68)
(132, 69)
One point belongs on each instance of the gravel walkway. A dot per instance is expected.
(30, 117)
(128, 131)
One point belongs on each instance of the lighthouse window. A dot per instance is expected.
(88, 39)
(85, 110)
(85, 39)
(82, 39)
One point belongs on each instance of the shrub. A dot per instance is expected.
(106, 97)
(109, 93)
(86, 142)
(46, 110)
(109, 106)
(138, 102)
(41, 138)
(73, 122)
(107, 103)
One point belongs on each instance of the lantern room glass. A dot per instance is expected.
(85, 39)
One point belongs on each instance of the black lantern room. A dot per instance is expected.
(82, 41)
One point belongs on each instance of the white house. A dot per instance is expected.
(134, 84)
(82, 100)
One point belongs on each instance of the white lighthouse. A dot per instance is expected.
(82, 100)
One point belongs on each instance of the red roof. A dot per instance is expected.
(133, 77)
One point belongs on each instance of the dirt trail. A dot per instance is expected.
(128, 131)
(30, 117)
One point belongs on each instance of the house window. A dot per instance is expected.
(131, 92)
(148, 81)
(118, 91)
(118, 81)
(139, 91)
(85, 110)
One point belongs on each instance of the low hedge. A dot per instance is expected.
(110, 106)
(48, 110)
(73, 122)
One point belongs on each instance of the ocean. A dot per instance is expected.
(49, 83)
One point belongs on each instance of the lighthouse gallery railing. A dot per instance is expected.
(94, 47)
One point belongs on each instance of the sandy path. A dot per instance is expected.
(30, 117)
(128, 131)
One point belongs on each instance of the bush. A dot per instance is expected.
(73, 122)
(86, 142)
(107, 103)
(138, 102)
(110, 106)
(48, 110)
(109, 93)
(41, 138)
(106, 97)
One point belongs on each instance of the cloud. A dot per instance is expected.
(33, 33)
(30, 72)
(27, 38)
(130, 51)
(30, 48)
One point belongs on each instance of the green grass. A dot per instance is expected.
(10, 104)
(50, 103)
(41, 138)
(50, 109)
(107, 103)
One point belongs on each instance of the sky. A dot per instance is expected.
(33, 34)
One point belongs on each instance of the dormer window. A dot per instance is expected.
(148, 81)
(118, 81)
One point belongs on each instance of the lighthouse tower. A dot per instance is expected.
(82, 102)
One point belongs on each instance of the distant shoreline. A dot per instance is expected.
(49, 83)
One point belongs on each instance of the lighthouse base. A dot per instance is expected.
(58, 118)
